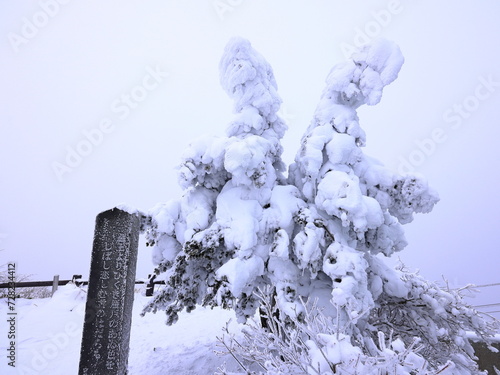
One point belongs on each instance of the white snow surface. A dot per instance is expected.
(127, 208)
(241, 273)
(49, 333)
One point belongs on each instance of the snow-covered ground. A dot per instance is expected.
(49, 333)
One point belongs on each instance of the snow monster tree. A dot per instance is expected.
(242, 226)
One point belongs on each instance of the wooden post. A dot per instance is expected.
(150, 287)
(55, 284)
(108, 312)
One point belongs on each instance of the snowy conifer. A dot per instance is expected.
(213, 243)
(355, 206)
(317, 235)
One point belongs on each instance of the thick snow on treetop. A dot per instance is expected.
(361, 79)
(249, 80)
(330, 167)
(251, 152)
(357, 81)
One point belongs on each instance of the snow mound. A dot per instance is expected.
(50, 334)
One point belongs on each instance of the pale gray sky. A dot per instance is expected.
(145, 76)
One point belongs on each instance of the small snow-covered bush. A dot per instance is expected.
(440, 318)
(385, 344)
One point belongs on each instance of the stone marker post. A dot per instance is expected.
(108, 312)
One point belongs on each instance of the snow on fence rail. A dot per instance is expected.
(494, 308)
(75, 280)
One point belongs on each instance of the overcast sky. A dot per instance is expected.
(140, 79)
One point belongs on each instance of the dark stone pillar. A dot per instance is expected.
(108, 312)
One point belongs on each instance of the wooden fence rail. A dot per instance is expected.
(76, 280)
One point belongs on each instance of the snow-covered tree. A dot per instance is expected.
(315, 235)
(355, 207)
(213, 243)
